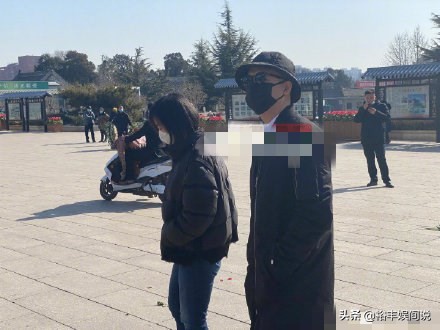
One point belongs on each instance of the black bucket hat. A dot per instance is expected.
(276, 61)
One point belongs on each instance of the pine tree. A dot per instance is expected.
(231, 47)
(433, 54)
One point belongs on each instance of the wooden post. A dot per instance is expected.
(22, 115)
(320, 103)
(27, 114)
(7, 114)
(437, 110)
(43, 112)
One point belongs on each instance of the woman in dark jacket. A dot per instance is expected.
(199, 214)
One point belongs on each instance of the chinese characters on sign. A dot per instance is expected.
(20, 85)
(409, 101)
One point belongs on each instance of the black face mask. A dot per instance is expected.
(259, 96)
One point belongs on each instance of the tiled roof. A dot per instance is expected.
(24, 94)
(427, 70)
(304, 78)
(311, 78)
(226, 83)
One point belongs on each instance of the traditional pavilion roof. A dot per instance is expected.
(304, 78)
(51, 76)
(421, 71)
(24, 94)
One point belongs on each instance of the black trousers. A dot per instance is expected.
(103, 135)
(136, 155)
(372, 151)
(87, 128)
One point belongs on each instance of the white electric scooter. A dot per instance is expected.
(150, 182)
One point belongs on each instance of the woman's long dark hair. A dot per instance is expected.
(177, 114)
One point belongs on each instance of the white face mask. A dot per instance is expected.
(165, 137)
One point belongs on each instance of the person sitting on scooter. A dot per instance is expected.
(139, 152)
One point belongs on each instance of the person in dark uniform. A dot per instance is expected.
(373, 115)
(290, 274)
(89, 121)
(121, 121)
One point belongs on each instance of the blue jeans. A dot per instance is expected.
(190, 292)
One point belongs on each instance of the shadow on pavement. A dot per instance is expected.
(93, 150)
(354, 189)
(90, 207)
(410, 147)
(63, 144)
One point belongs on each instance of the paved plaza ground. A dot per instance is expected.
(70, 260)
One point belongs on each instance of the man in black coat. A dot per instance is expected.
(373, 114)
(290, 275)
(121, 121)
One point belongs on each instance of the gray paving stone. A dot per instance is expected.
(362, 249)
(52, 252)
(83, 284)
(383, 299)
(377, 280)
(380, 238)
(98, 266)
(33, 321)
(392, 244)
(8, 254)
(11, 311)
(145, 279)
(34, 267)
(406, 236)
(377, 264)
(429, 275)
(111, 251)
(152, 262)
(411, 258)
(139, 303)
(17, 242)
(14, 286)
(115, 321)
(62, 306)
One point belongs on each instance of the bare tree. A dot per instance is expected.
(406, 48)
(194, 92)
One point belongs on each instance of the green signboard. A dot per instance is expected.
(20, 85)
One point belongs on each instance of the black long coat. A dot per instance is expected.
(290, 279)
(373, 126)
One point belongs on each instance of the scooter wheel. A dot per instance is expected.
(106, 190)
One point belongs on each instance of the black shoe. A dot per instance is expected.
(372, 183)
(388, 185)
(88, 141)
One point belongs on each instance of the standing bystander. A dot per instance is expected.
(103, 119)
(89, 121)
(373, 115)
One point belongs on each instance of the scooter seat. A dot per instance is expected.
(157, 160)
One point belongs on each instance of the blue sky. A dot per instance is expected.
(313, 33)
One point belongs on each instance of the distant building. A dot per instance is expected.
(353, 73)
(25, 64)
(9, 72)
(343, 99)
